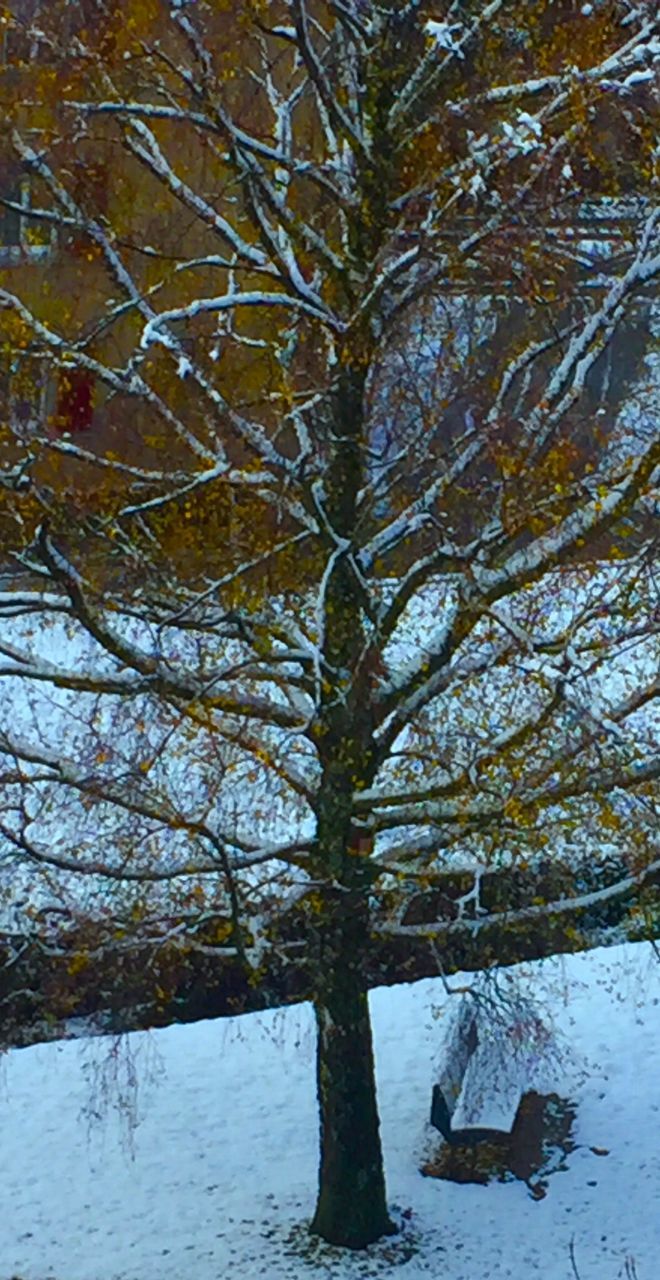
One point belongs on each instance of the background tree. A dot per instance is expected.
(361, 297)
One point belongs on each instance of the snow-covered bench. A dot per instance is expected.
(475, 1098)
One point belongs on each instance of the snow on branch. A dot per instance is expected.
(346, 126)
(552, 548)
(433, 66)
(148, 150)
(138, 671)
(578, 358)
(155, 329)
(543, 911)
(614, 71)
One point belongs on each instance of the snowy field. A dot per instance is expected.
(217, 1177)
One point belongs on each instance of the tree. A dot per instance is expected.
(354, 585)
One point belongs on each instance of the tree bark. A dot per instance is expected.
(351, 1208)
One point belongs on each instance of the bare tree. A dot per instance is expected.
(352, 582)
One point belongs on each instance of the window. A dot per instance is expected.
(21, 235)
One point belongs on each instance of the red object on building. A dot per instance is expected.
(75, 407)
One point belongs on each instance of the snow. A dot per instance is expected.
(443, 34)
(219, 1175)
(638, 77)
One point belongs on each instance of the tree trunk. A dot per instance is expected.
(351, 1208)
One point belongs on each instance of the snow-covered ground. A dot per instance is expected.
(218, 1177)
